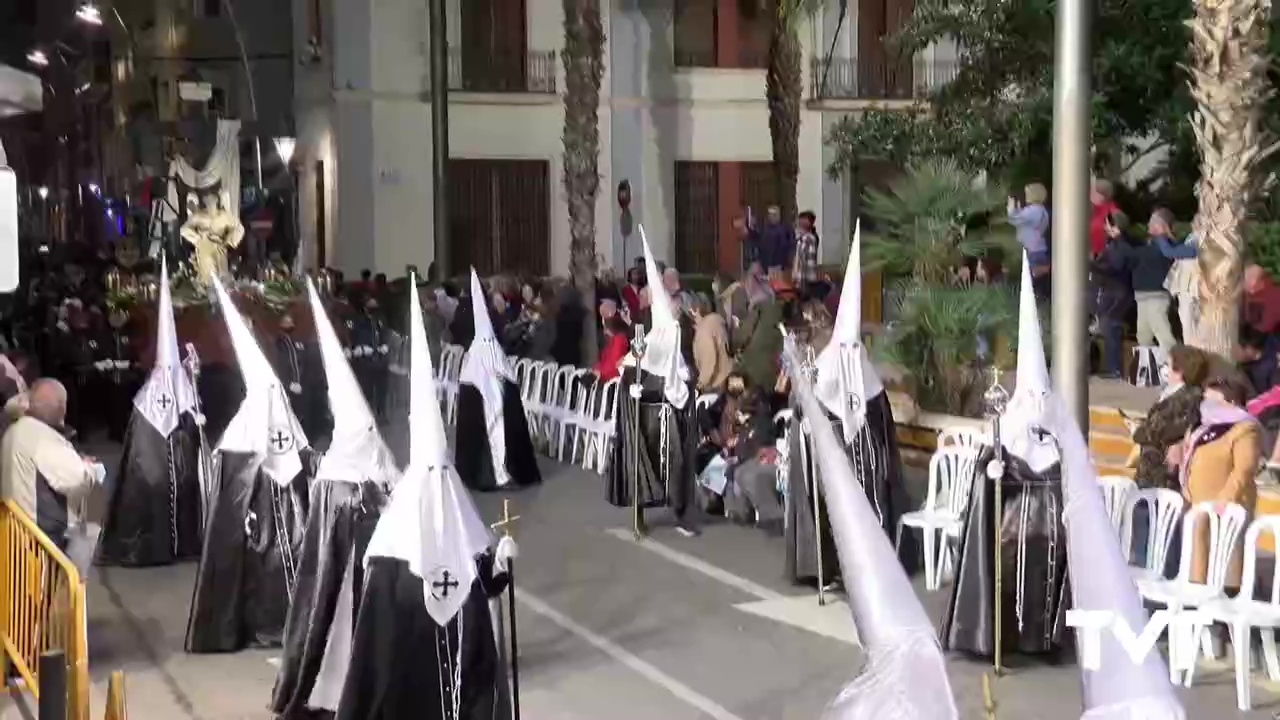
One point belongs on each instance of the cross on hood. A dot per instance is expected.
(168, 392)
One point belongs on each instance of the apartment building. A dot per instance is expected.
(683, 119)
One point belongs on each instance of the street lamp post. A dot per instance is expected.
(1071, 133)
(285, 147)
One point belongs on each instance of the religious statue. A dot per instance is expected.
(212, 230)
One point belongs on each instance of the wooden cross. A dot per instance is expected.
(507, 519)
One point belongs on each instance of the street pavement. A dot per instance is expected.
(669, 628)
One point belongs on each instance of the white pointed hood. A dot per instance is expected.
(847, 380)
(905, 676)
(265, 425)
(486, 368)
(1028, 406)
(357, 452)
(431, 522)
(662, 355)
(1119, 689)
(168, 392)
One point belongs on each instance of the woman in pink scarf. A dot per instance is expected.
(1266, 407)
(1218, 463)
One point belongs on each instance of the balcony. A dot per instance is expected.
(842, 78)
(474, 71)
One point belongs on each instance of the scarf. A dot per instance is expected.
(1216, 419)
(1264, 402)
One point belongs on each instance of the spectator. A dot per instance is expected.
(749, 238)
(1183, 283)
(751, 495)
(681, 299)
(760, 339)
(805, 270)
(1151, 262)
(1113, 288)
(1218, 463)
(777, 243)
(1170, 419)
(614, 350)
(731, 299)
(1031, 223)
(39, 468)
(1258, 365)
(1261, 301)
(1103, 205)
(631, 291)
(710, 347)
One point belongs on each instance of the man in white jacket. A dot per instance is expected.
(1183, 283)
(39, 468)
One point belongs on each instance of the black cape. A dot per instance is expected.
(401, 658)
(473, 458)
(1032, 530)
(251, 545)
(665, 480)
(340, 523)
(153, 511)
(878, 465)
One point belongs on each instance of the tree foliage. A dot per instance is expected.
(997, 114)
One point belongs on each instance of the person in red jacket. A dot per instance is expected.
(615, 349)
(1101, 196)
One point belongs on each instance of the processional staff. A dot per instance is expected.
(636, 391)
(208, 477)
(505, 525)
(997, 400)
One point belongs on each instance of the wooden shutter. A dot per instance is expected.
(694, 31)
(696, 230)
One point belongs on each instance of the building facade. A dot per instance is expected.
(683, 119)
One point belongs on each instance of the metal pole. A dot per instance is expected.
(53, 686)
(1071, 142)
(439, 70)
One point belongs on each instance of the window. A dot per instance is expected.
(500, 215)
(695, 33)
(697, 217)
(721, 33)
(315, 28)
(494, 50)
(882, 73)
(206, 8)
(218, 102)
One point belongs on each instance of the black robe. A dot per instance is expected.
(664, 480)
(473, 458)
(153, 511)
(400, 658)
(1031, 523)
(340, 523)
(298, 362)
(251, 545)
(878, 465)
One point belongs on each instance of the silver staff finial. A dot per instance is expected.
(996, 398)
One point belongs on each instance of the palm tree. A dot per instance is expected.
(783, 88)
(583, 59)
(1229, 85)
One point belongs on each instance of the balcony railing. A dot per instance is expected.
(842, 78)
(526, 72)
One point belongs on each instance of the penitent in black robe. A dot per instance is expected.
(1033, 564)
(340, 524)
(665, 470)
(153, 513)
(404, 666)
(877, 464)
(248, 564)
(474, 459)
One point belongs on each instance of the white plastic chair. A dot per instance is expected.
(951, 471)
(1181, 593)
(964, 437)
(451, 363)
(602, 430)
(535, 397)
(1164, 508)
(706, 400)
(556, 408)
(1116, 490)
(576, 415)
(1242, 614)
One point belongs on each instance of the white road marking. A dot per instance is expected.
(801, 611)
(699, 565)
(615, 651)
(832, 620)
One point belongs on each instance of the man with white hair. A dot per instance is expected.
(39, 468)
(682, 300)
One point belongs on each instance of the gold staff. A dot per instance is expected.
(997, 399)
